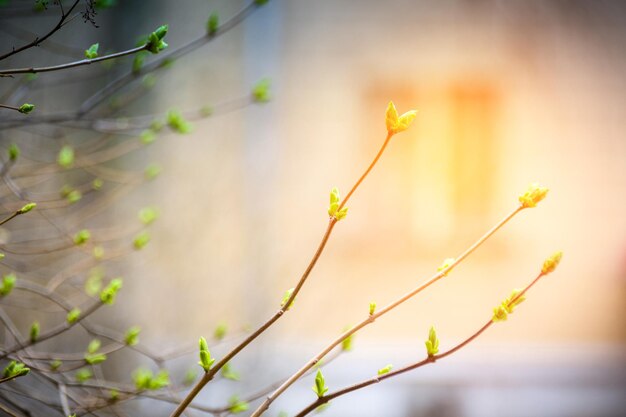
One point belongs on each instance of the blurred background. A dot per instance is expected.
(508, 93)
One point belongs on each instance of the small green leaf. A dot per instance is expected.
(26, 208)
(15, 369)
(148, 215)
(97, 184)
(92, 52)
(346, 344)
(95, 358)
(81, 237)
(372, 308)
(432, 344)
(147, 136)
(66, 157)
(93, 346)
(73, 315)
(55, 364)
(286, 298)
(320, 384)
(261, 91)
(14, 152)
(220, 331)
(177, 122)
(205, 356)
(385, 370)
(26, 108)
(141, 240)
(108, 294)
(152, 171)
(8, 282)
(155, 42)
(236, 405)
(98, 253)
(74, 196)
(83, 375)
(213, 23)
(34, 332)
(228, 373)
(131, 338)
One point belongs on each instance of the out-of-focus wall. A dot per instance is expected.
(508, 93)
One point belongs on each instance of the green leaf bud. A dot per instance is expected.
(228, 373)
(147, 137)
(26, 108)
(95, 358)
(8, 282)
(73, 315)
(34, 332)
(261, 91)
(92, 52)
(65, 157)
(97, 184)
(55, 364)
(235, 405)
(220, 331)
(385, 370)
(93, 346)
(320, 384)
(212, 24)
(81, 237)
(432, 344)
(83, 375)
(108, 294)
(131, 338)
(177, 122)
(148, 215)
(141, 240)
(155, 42)
(14, 152)
(372, 308)
(26, 208)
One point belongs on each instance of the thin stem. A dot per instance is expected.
(6, 106)
(38, 40)
(428, 360)
(79, 63)
(371, 318)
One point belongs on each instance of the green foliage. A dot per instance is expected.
(335, 203)
(261, 91)
(228, 373)
(14, 152)
(144, 379)
(81, 237)
(108, 294)
(346, 344)
(66, 157)
(148, 215)
(15, 369)
(95, 358)
(8, 282)
(147, 136)
(55, 364)
(178, 123)
(152, 171)
(93, 284)
(104, 4)
(97, 184)
(220, 331)
(212, 24)
(92, 52)
(138, 61)
(73, 315)
(205, 356)
(34, 332)
(26, 108)
(385, 370)
(26, 208)
(432, 344)
(155, 42)
(320, 387)
(131, 338)
(235, 405)
(141, 240)
(83, 375)
(286, 298)
(93, 346)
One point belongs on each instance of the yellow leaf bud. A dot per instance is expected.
(533, 195)
(396, 124)
(550, 264)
